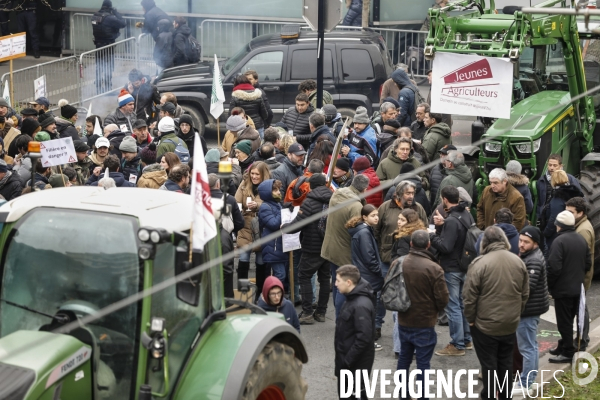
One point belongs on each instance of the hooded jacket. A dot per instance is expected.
(152, 15)
(365, 254)
(188, 138)
(251, 100)
(355, 330)
(458, 177)
(544, 188)
(322, 130)
(376, 198)
(389, 168)
(386, 138)
(118, 177)
(133, 167)
(11, 186)
(512, 234)
(568, 261)
(336, 245)
(406, 97)
(438, 173)
(299, 124)
(286, 173)
(121, 120)
(449, 239)
(153, 177)
(65, 128)
(586, 230)
(163, 48)
(248, 133)
(436, 137)
(180, 45)
(364, 144)
(538, 302)
(284, 307)
(269, 220)
(521, 183)
(490, 202)
(112, 23)
(496, 290)
(557, 204)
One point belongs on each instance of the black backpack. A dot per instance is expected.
(469, 251)
(99, 31)
(193, 54)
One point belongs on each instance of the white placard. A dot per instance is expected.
(40, 87)
(471, 85)
(290, 241)
(58, 152)
(17, 45)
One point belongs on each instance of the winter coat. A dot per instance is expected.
(539, 300)
(323, 130)
(231, 137)
(244, 236)
(40, 182)
(82, 168)
(449, 238)
(168, 143)
(145, 97)
(354, 15)
(232, 186)
(151, 17)
(557, 204)
(286, 173)
(377, 198)
(418, 129)
(365, 255)
(181, 45)
(279, 156)
(401, 247)
(285, 307)
(544, 188)
(521, 183)
(188, 138)
(437, 137)
(512, 234)
(389, 168)
(236, 214)
(118, 177)
(438, 173)
(248, 133)
(386, 138)
(23, 169)
(389, 89)
(269, 220)
(406, 97)
(426, 287)
(163, 48)
(496, 291)
(123, 121)
(171, 186)
(251, 100)
(586, 230)
(110, 27)
(153, 177)
(327, 98)
(388, 224)
(227, 246)
(11, 186)
(336, 245)
(133, 167)
(458, 177)
(65, 129)
(420, 195)
(363, 144)
(310, 237)
(355, 330)
(299, 124)
(569, 259)
(490, 202)
(298, 189)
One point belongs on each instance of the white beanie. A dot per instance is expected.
(565, 219)
(166, 124)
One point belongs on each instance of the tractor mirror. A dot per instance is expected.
(187, 290)
(477, 131)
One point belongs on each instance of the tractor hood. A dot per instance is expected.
(533, 116)
(186, 74)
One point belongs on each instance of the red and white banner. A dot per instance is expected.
(471, 85)
(204, 227)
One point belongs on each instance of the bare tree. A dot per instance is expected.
(365, 13)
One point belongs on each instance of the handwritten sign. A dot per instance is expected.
(39, 85)
(58, 152)
(290, 241)
(12, 46)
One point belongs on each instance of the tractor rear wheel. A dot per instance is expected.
(590, 185)
(276, 375)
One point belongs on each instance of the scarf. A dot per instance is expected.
(244, 86)
(343, 178)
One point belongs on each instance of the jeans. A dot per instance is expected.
(395, 334)
(309, 264)
(421, 341)
(566, 309)
(495, 356)
(261, 132)
(528, 347)
(279, 270)
(246, 257)
(380, 307)
(338, 298)
(459, 327)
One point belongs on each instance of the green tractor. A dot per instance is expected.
(549, 72)
(69, 253)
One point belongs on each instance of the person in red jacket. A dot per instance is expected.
(363, 166)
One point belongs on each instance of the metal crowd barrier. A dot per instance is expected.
(81, 31)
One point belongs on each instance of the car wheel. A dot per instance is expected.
(347, 112)
(196, 118)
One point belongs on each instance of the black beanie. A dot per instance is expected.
(343, 164)
(68, 111)
(532, 232)
(317, 180)
(29, 126)
(406, 168)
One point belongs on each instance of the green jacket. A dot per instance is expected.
(389, 168)
(166, 145)
(327, 98)
(436, 137)
(458, 177)
(83, 170)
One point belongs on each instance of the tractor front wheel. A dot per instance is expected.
(276, 375)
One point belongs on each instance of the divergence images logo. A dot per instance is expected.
(474, 71)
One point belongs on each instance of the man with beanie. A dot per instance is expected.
(168, 138)
(123, 114)
(10, 182)
(243, 153)
(153, 174)
(30, 128)
(106, 24)
(362, 166)
(238, 131)
(187, 133)
(65, 124)
(568, 261)
(296, 119)
(362, 141)
(130, 161)
(84, 164)
(388, 134)
(291, 167)
(144, 93)
(519, 182)
(342, 174)
(537, 304)
(152, 15)
(48, 123)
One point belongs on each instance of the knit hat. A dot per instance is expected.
(148, 154)
(361, 163)
(3, 166)
(29, 111)
(3, 103)
(128, 145)
(29, 126)
(236, 123)
(58, 180)
(46, 120)
(68, 111)
(186, 119)
(361, 116)
(245, 146)
(532, 232)
(343, 164)
(514, 167)
(565, 219)
(166, 124)
(317, 180)
(80, 146)
(392, 123)
(168, 107)
(42, 136)
(125, 98)
(330, 112)
(406, 168)
(391, 100)
(212, 156)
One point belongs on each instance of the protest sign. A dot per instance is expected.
(39, 86)
(58, 152)
(290, 241)
(471, 85)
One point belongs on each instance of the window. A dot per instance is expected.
(357, 65)
(304, 65)
(268, 65)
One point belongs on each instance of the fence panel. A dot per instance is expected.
(82, 39)
(145, 47)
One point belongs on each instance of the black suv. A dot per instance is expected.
(357, 63)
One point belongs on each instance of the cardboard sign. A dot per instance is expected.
(471, 85)
(12, 46)
(290, 241)
(39, 86)
(58, 152)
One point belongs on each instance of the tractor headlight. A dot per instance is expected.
(493, 147)
(525, 148)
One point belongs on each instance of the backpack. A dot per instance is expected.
(418, 100)
(99, 31)
(469, 252)
(322, 224)
(193, 54)
(394, 295)
(181, 151)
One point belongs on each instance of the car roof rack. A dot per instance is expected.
(291, 31)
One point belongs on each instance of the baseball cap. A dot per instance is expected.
(168, 107)
(447, 148)
(41, 101)
(297, 149)
(102, 142)
(139, 123)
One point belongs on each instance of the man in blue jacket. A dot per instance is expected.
(406, 97)
(544, 188)
(363, 141)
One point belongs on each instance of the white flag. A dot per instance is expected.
(581, 319)
(97, 128)
(89, 111)
(6, 93)
(218, 95)
(204, 226)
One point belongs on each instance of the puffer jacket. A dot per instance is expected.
(420, 195)
(449, 238)
(286, 173)
(244, 236)
(310, 237)
(250, 134)
(299, 124)
(151, 17)
(133, 167)
(568, 261)
(163, 48)
(153, 177)
(458, 177)
(557, 204)
(323, 130)
(389, 168)
(376, 198)
(285, 307)
(539, 300)
(521, 183)
(436, 137)
(180, 45)
(490, 202)
(66, 129)
(354, 15)
(496, 291)
(406, 97)
(251, 100)
(11, 186)
(365, 255)
(438, 173)
(121, 120)
(269, 220)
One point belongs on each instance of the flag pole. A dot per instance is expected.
(291, 277)
(62, 175)
(218, 132)
(191, 242)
